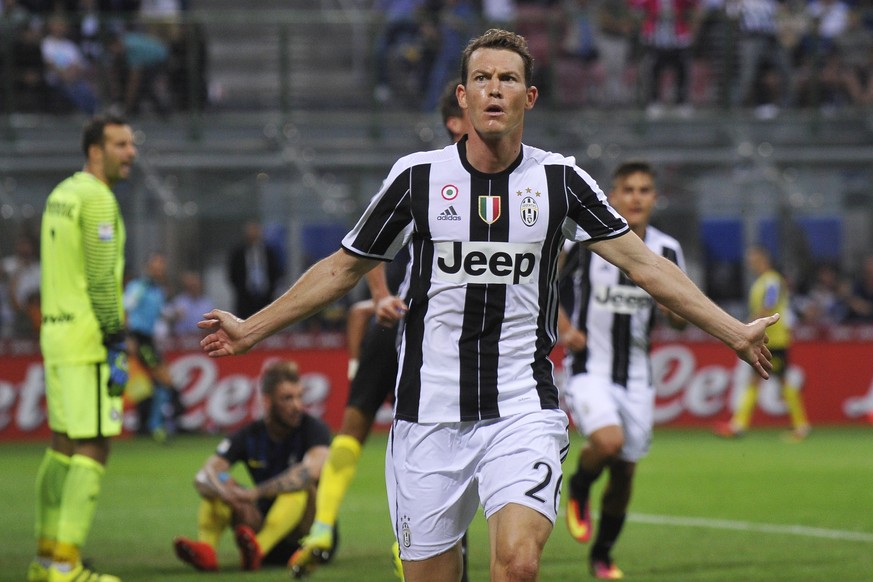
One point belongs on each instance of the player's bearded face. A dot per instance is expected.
(119, 152)
(286, 405)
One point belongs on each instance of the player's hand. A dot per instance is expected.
(574, 339)
(755, 352)
(235, 494)
(116, 357)
(389, 310)
(226, 337)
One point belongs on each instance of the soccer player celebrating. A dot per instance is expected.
(284, 454)
(476, 414)
(610, 392)
(82, 342)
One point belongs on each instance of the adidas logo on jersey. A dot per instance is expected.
(449, 214)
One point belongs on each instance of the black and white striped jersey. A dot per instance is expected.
(482, 285)
(615, 314)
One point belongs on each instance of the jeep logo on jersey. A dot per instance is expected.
(486, 262)
(622, 299)
(489, 208)
(529, 211)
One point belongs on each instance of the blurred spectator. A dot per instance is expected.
(856, 46)
(188, 67)
(762, 57)
(188, 306)
(161, 17)
(614, 31)
(144, 303)
(828, 20)
(792, 24)
(856, 41)
(22, 273)
(454, 27)
(15, 13)
(578, 76)
(139, 69)
(67, 69)
(713, 50)
(824, 303)
(667, 32)
(401, 62)
(254, 269)
(498, 14)
(541, 22)
(860, 299)
(31, 92)
(90, 27)
(861, 83)
(7, 315)
(827, 84)
(579, 40)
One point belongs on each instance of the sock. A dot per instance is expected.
(607, 533)
(78, 503)
(336, 476)
(65, 556)
(581, 482)
(796, 410)
(213, 517)
(284, 515)
(49, 486)
(160, 398)
(743, 415)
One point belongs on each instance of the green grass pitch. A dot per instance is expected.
(756, 509)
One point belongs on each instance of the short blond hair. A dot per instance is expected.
(497, 38)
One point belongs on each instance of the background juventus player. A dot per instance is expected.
(610, 392)
(477, 419)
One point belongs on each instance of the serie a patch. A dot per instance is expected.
(105, 231)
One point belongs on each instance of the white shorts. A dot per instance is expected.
(437, 475)
(595, 402)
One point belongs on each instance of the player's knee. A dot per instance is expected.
(608, 445)
(522, 563)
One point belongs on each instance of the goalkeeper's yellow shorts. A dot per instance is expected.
(78, 401)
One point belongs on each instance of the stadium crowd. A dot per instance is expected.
(829, 295)
(68, 56)
(665, 57)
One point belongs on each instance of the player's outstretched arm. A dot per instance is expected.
(671, 287)
(321, 285)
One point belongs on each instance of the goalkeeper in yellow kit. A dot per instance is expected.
(82, 342)
(768, 295)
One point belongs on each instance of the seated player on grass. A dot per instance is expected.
(284, 454)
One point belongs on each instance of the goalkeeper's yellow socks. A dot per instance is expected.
(50, 480)
(78, 503)
(336, 476)
(213, 516)
(796, 410)
(284, 515)
(743, 416)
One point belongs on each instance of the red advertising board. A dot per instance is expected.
(697, 381)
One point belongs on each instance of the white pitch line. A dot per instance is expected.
(798, 530)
